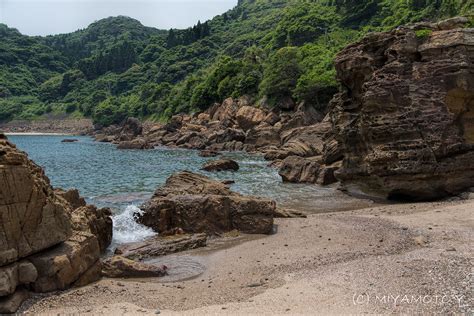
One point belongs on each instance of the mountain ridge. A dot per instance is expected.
(270, 50)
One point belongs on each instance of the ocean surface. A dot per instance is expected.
(123, 179)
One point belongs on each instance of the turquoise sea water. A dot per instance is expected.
(123, 180)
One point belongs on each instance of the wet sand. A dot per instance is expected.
(344, 262)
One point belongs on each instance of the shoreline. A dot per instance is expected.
(40, 134)
(318, 263)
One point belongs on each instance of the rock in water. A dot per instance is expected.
(137, 143)
(131, 128)
(49, 240)
(198, 204)
(221, 165)
(406, 114)
(208, 153)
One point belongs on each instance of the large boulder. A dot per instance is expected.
(137, 143)
(249, 116)
(49, 240)
(308, 141)
(221, 165)
(197, 204)
(263, 135)
(405, 114)
(32, 217)
(300, 170)
(120, 267)
(131, 128)
(224, 112)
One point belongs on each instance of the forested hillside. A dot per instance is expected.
(274, 51)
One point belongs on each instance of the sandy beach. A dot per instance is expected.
(405, 258)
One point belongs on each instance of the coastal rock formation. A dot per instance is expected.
(120, 267)
(221, 165)
(248, 117)
(32, 217)
(131, 128)
(157, 246)
(128, 134)
(137, 143)
(197, 204)
(49, 240)
(405, 117)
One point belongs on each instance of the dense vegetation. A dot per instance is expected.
(269, 50)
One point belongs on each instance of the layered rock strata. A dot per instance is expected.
(196, 204)
(405, 115)
(48, 240)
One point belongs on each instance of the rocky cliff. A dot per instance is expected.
(48, 240)
(405, 115)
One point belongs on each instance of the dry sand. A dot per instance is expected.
(406, 258)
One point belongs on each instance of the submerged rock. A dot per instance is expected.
(197, 204)
(221, 165)
(208, 153)
(68, 140)
(405, 117)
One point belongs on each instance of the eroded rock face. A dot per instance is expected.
(405, 116)
(32, 217)
(49, 239)
(197, 204)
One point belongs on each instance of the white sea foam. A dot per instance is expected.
(126, 229)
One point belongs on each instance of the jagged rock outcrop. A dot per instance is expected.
(32, 217)
(235, 125)
(49, 240)
(197, 204)
(128, 135)
(131, 128)
(405, 117)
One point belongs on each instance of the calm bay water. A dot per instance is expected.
(123, 180)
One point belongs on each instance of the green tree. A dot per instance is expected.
(281, 73)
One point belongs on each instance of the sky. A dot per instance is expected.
(48, 17)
